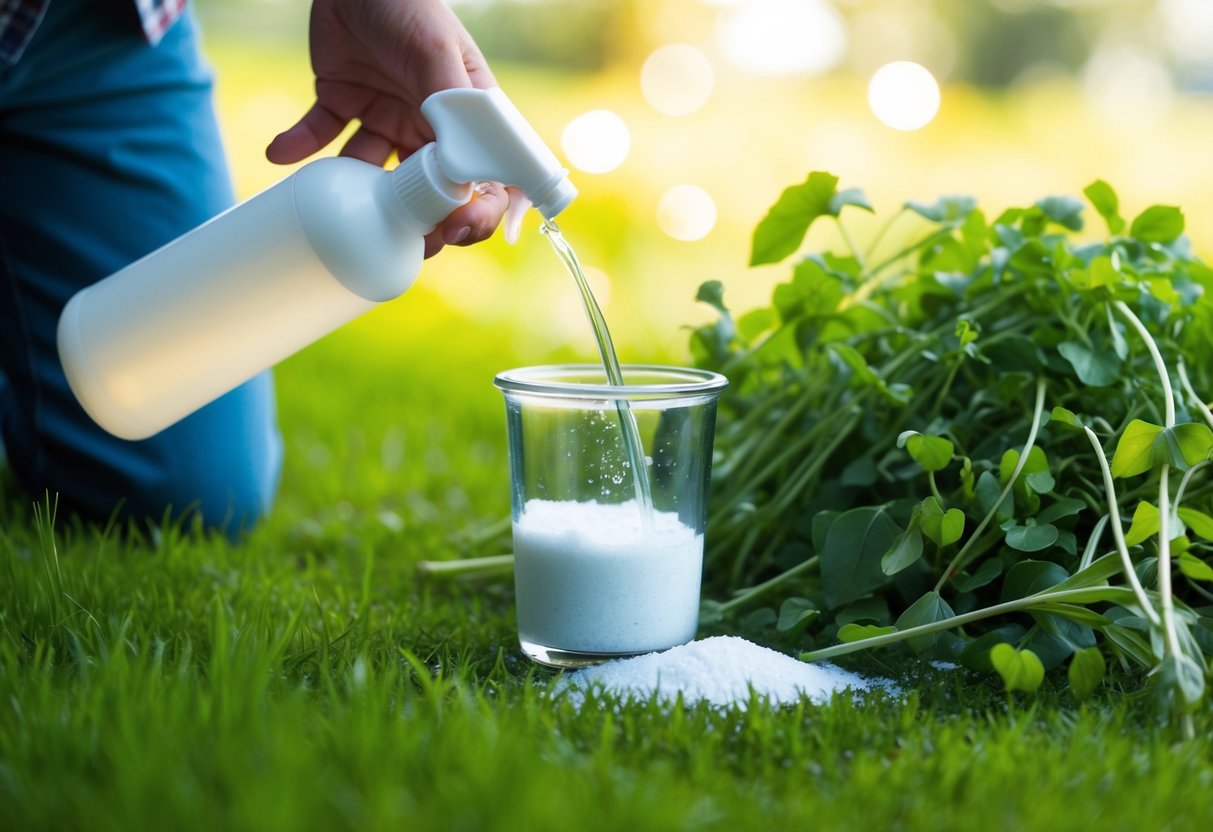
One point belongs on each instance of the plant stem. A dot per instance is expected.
(755, 591)
(1166, 599)
(958, 561)
(466, 567)
(1045, 597)
(1187, 387)
(1183, 483)
(1118, 533)
(1164, 562)
(846, 238)
(1164, 377)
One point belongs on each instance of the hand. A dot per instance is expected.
(376, 61)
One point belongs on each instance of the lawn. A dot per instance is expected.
(309, 677)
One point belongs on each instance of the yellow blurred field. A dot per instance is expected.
(752, 138)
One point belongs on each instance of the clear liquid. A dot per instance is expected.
(610, 363)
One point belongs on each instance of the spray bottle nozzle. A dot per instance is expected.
(481, 135)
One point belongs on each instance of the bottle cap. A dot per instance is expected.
(424, 191)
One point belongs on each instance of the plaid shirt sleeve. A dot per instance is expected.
(19, 19)
(157, 16)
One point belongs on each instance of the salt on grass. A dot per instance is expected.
(722, 671)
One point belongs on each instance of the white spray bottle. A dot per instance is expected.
(191, 321)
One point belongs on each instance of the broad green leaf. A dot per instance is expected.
(1097, 573)
(755, 322)
(1086, 672)
(1135, 449)
(759, 619)
(1032, 538)
(1158, 224)
(1194, 567)
(976, 654)
(858, 632)
(926, 610)
(1145, 523)
(1020, 669)
(1105, 201)
(782, 230)
(987, 573)
(1029, 577)
(951, 526)
(1073, 612)
(933, 453)
(1094, 368)
(1184, 445)
(1061, 508)
(987, 491)
(1041, 482)
(944, 209)
(1062, 416)
(712, 293)
(858, 364)
(1200, 523)
(1092, 595)
(854, 546)
(930, 516)
(1037, 462)
(820, 530)
(1162, 289)
(849, 196)
(1066, 211)
(795, 614)
(906, 551)
(1119, 345)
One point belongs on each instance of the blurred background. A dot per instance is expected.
(682, 120)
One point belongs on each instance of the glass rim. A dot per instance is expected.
(552, 380)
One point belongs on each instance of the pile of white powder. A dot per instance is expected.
(721, 670)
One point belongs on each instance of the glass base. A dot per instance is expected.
(567, 659)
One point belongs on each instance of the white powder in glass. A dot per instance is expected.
(591, 577)
(721, 670)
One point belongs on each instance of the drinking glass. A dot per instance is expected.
(604, 567)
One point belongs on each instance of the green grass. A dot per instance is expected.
(308, 678)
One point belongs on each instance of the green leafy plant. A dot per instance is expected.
(916, 445)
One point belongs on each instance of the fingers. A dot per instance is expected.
(470, 223)
(368, 146)
(317, 128)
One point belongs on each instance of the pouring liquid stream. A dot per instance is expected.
(633, 447)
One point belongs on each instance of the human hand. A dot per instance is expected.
(376, 61)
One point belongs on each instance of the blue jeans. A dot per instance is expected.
(108, 150)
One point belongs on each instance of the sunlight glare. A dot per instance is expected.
(677, 79)
(904, 95)
(686, 212)
(596, 142)
(782, 37)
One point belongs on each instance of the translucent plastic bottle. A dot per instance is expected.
(191, 321)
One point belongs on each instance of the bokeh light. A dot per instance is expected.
(677, 79)
(596, 142)
(686, 212)
(782, 37)
(1127, 86)
(904, 95)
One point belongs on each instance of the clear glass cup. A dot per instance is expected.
(598, 574)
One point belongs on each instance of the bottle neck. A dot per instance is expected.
(418, 191)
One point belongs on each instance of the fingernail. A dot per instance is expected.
(462, 234)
